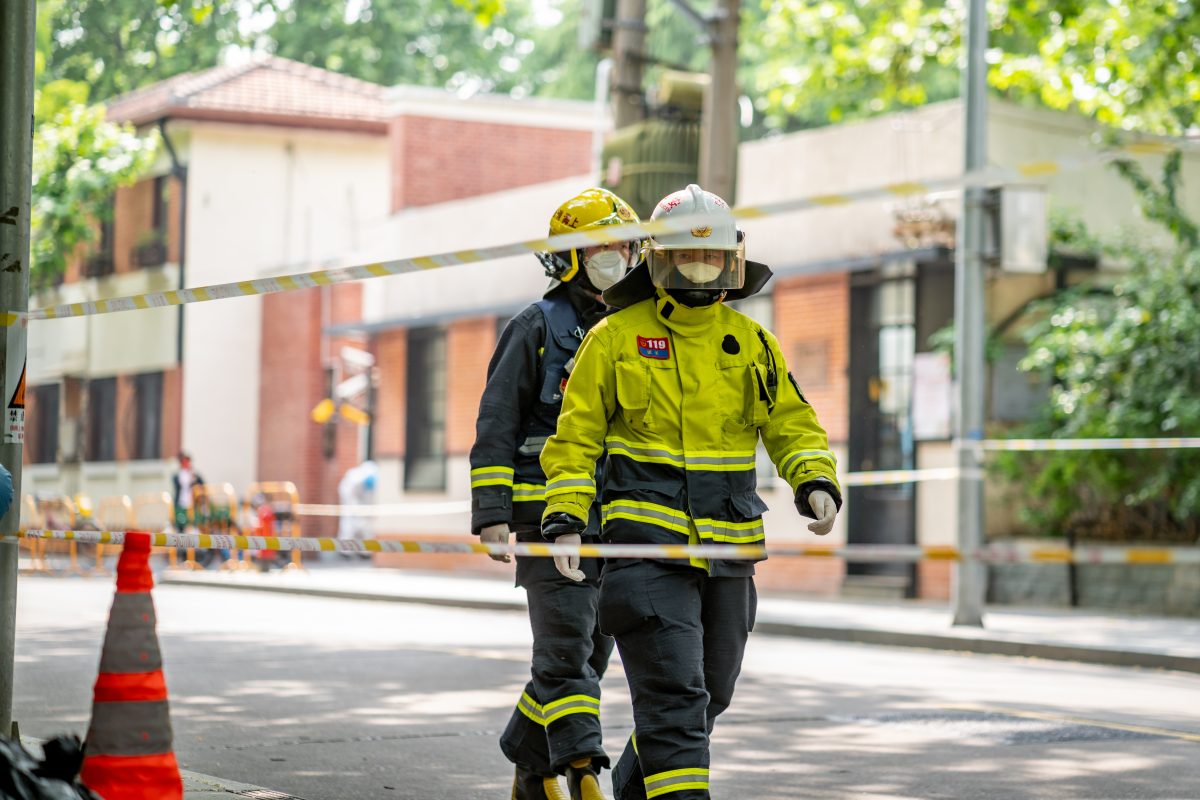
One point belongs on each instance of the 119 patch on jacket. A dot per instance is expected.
(654, 348)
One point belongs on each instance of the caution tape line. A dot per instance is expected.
(999, 553)
(991, 176)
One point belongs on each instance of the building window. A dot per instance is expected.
(148, 389)
(425, 411)
(100, 262)
(102, 419)
(45, 424)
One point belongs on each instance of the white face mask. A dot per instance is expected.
(606, 268)
(700, 272)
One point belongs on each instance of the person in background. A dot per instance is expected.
(183, 486)
(357, 488)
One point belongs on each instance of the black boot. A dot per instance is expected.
(583, 781)
(528, 786)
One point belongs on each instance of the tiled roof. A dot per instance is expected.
(266, 90)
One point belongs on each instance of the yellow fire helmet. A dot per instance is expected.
(590, 209)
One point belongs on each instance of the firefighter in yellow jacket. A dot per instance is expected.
(678, 388)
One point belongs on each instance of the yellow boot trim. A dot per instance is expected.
(553, 790)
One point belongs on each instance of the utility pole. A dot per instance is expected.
(16, 181)
(971, 576)
(718, 138)
(629, 52)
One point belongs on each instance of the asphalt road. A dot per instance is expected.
(356, 700)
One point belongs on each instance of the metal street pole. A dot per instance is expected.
(16, 148)
(718, 139)
(969, 325)
(629, 50)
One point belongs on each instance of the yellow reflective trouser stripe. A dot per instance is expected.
(575, 704)
(531, 709)
(491, 476)
(566, 484)
(731, 532)
(676, 780)
(647, 513)
(791, 458)
(527, 492)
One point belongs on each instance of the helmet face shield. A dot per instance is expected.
(697, 267)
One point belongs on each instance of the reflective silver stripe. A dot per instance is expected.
(528, 491)
(129, 729)
(747, 461)
(620, 448)
(491, 474)
(824, 455)
(130, 645)
(531, 709)
(725, 532)
(675, 518)
(532, 445)
(576, 705)
(559, 484)
(676, 781)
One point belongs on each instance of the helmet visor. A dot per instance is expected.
(697, 267)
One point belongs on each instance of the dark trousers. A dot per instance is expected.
(681, 635)
(557, 719)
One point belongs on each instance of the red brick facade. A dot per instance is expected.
(291, 445)
(390, 350)
(812, 321)
(437, 160)
(469, 345)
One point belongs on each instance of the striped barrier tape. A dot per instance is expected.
(998, 553)
(990, 176)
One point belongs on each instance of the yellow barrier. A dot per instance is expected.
(282, 493)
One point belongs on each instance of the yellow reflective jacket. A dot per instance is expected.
(679, 397)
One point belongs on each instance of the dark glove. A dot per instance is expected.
(561, 524)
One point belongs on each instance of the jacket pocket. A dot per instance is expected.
(747, 506)
(633, 392)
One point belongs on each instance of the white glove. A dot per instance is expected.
(569, 565)
(825, 509)
(496, 534)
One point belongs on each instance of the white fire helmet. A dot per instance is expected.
(711, 255)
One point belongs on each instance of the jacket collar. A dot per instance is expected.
(681, 319)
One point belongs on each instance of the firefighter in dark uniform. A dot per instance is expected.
(677, 389)
(555, 727)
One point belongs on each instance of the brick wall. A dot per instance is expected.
(473, 158)
(469, 345)
(126, 421)
(293, 381)
(133, 215)
(812, 321)
(390, 350)
(172, 412)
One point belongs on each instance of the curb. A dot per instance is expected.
(874, 636)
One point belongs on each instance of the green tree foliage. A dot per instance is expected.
(1123, 364)
(79, 160)
(1130, 64)
(115, 46)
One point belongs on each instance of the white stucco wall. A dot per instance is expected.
(261, 201)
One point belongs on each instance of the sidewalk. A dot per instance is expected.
(1061, 634)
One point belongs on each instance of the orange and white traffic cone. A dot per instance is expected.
(127, 755)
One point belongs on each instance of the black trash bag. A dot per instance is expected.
(54, 777)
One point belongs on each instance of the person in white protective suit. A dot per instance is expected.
(357, 488)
